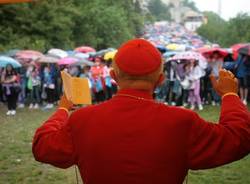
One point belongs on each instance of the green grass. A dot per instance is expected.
(17, 164)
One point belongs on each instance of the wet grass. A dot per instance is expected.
(18, 166)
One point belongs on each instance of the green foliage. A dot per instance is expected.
(38, 26)
(17, 164)
(226, 33)
(238, 30)
(190, 4)
(159, 10)
(68, 23)
(102, 26)
(214, 29)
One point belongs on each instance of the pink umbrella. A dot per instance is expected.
(85, 49)
(28, 55)
(190, 55)
(67, 61)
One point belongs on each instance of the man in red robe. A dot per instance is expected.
(133, 139)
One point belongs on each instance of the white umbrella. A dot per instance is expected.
(47, 59)
(57, 53)
(80, 55)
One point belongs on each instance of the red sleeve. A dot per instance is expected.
(211, 145)
(53, 143)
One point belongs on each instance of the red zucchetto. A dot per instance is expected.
(138, 57)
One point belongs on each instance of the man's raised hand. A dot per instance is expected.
(227, 83)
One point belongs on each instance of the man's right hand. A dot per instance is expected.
(64, 103)
(227, 83)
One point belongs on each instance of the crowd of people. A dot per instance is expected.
(189, 84)
(187, 79)
(39, 85)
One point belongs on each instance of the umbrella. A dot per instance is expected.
(85, 49)
(47, 59)
(83, 62)
(245, 50)
(176, 47)
(67, 61)
(210, 51)
(236, 48)
(169, 54)
(70, 52)
(172, 46)
(28, 55)
(4, 60)
(104, 51)
(190, 55)
(110, 55)
(161, 48)
(59, 53)
(80, 55)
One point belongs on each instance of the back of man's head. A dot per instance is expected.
(138, 61)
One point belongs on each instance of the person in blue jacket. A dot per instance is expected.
(242, 73)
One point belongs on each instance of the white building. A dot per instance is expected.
(193, 20)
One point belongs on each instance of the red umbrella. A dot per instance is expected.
(85, 49)
(236, 48)
(210, 51)
(245, 50)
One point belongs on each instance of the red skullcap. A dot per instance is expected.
(138, 57)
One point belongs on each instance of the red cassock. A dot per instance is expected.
(139, 141)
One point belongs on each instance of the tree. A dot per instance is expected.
(40, 25)
(65, 24)
(215, 29)
(190, 4)
(101, 26)
(238, 30)
(159, 10)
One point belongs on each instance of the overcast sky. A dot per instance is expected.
(230, 8)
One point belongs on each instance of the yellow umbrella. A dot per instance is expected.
(207, 46)
(110, 55)
(172, 46)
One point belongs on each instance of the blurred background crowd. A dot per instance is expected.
(31, 78)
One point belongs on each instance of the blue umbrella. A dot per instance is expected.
(71, 52)
(169, 54)
(5, 60)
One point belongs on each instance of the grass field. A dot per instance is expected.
(18, 166)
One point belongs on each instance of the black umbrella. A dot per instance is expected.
(245, 50)
(162, 49)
